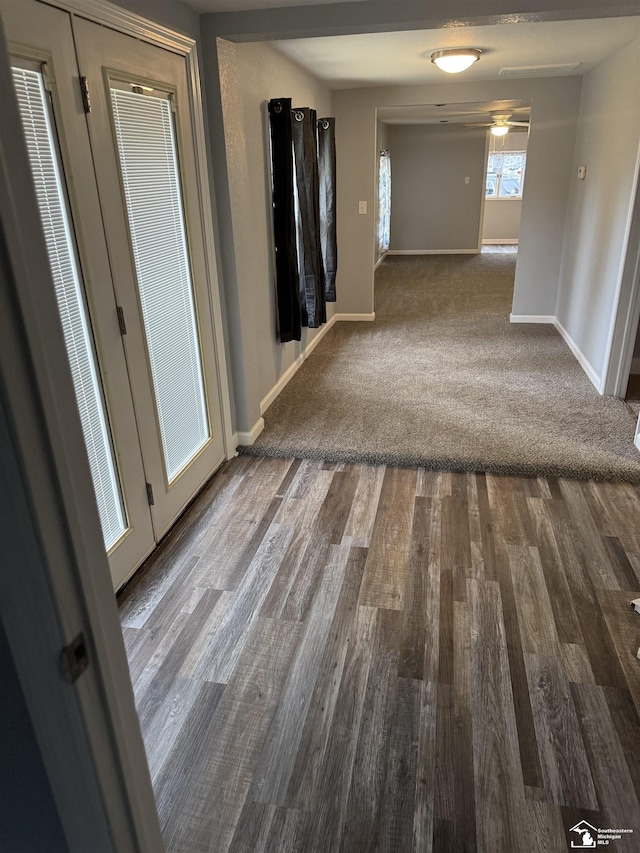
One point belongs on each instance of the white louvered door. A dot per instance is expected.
(45, 78)
(141, 132)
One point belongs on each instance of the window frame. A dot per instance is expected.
(499, 175)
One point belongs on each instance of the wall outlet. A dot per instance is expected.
(362, 207)
(582, 172)
(466, 180)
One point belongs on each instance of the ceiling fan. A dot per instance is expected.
(499, 124)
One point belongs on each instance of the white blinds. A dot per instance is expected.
(150, 175)
(34, 109)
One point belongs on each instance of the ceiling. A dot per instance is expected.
(244, 5)
(462, 113)
(401, 58)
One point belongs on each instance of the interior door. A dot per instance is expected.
(141, 134)
(46, 80)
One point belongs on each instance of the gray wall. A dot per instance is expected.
(28, 814)
(251, 75)
(502, 215)
(600, 206)
(373, 16)
(171, 13)
(555, 103)
(432, 209)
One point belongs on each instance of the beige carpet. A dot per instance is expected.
(441, 379)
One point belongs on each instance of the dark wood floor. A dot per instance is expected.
(351, 658)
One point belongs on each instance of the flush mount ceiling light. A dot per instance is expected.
(456, 59)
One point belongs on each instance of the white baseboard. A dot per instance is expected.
(246, 439)
(433, 251)
(379, 261)
(293, 369)
(584, 362)
(505, 242)
(635, 365)
(637, 440)
(290, 372)
(532, 318)
(356, 318)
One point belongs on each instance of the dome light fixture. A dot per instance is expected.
(457, 59)
(500, 130)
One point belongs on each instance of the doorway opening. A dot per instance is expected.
(504, 186)
(446, 184)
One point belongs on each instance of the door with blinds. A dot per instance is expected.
(142, 138)
(45, 77)
(118, 197)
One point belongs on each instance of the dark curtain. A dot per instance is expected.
(312, 300)
(327, 176)
(284, 221)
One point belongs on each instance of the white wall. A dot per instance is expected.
(600, 206)
(555, 103)
(432, 208)
(252, 74)
(502, 215)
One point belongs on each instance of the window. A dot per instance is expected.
(151, 178)
(58, 230)
(505, 174)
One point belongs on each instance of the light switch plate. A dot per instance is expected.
(362, 207)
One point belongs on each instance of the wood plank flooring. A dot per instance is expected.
(346, 658)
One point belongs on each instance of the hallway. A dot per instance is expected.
(442, 379)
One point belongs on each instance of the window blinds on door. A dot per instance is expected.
(52, 203)
(151, 180)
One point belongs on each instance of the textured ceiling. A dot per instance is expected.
(478, 111)
(403, 57)
(245, 5)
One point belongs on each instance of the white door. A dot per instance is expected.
(119, 201)
(46, 80)
(141, 133)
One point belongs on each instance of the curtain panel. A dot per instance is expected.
(303, 163)
(305, 147)
(384, 203)
(327, 173)
(284, 221)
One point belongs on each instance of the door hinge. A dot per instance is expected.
(75, 658)
(121, 321)
(150, 494)
(84, 91)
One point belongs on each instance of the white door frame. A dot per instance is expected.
(132, 24)
(626, 312)
(54, 573)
